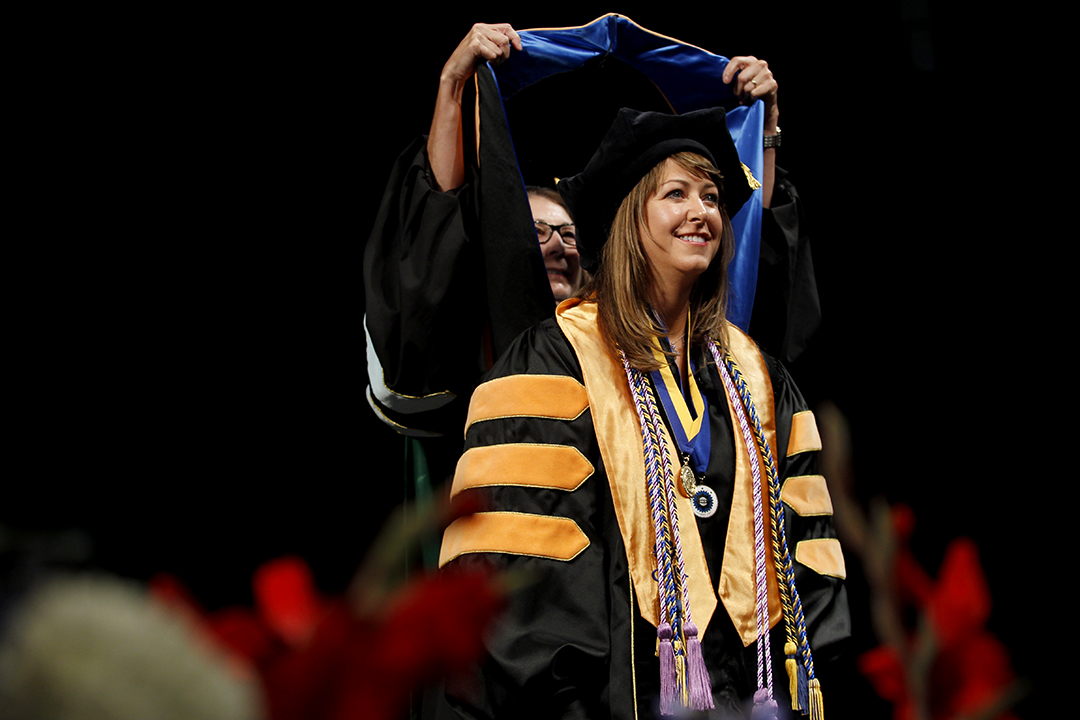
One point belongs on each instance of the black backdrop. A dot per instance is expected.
(189, 369)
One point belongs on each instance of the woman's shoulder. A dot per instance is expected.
(746, 350)
(541, 350)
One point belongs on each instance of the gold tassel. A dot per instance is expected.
(792, 667)
(817, 708)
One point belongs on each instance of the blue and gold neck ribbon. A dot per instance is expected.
(686, 414)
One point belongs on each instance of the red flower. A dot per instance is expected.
(969, 676)
(883, 668)
(970, 667)
(960, 604)
(437, 624)
(287, 599)
(355, 669)
(320, 660)
(241, 631)
(914, 584)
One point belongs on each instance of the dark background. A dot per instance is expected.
(189, 370)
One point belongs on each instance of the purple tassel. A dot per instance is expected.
(700, 685)
(765, 708)
(667, 670)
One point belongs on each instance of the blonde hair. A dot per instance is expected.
(623, 282)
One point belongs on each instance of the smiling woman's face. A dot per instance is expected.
(682, 225)
(561, 261)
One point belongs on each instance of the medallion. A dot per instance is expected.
(687, 480)
(704, 501)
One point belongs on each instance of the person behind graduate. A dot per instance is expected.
(424, 356)
(446, 154)
(651, 468)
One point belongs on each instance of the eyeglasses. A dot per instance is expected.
(544, 232)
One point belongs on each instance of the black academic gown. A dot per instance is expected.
(574, 643)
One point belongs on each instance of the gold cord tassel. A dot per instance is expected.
(817, 708)
(792, 667)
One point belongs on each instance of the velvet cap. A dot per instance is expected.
(636, 143)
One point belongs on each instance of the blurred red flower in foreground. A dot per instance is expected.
(358, 657)
(950, 665)
(366, 668)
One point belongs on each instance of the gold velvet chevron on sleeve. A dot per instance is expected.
(548, 396)
(824, 556)
(804, 434)
(535, 465)
(558, 467)
(543, 536)
(808, 496)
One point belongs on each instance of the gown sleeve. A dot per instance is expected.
(815, 551)
(787, 311)
(421, 277)
(532, 455)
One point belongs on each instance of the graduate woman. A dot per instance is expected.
(649, 469)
